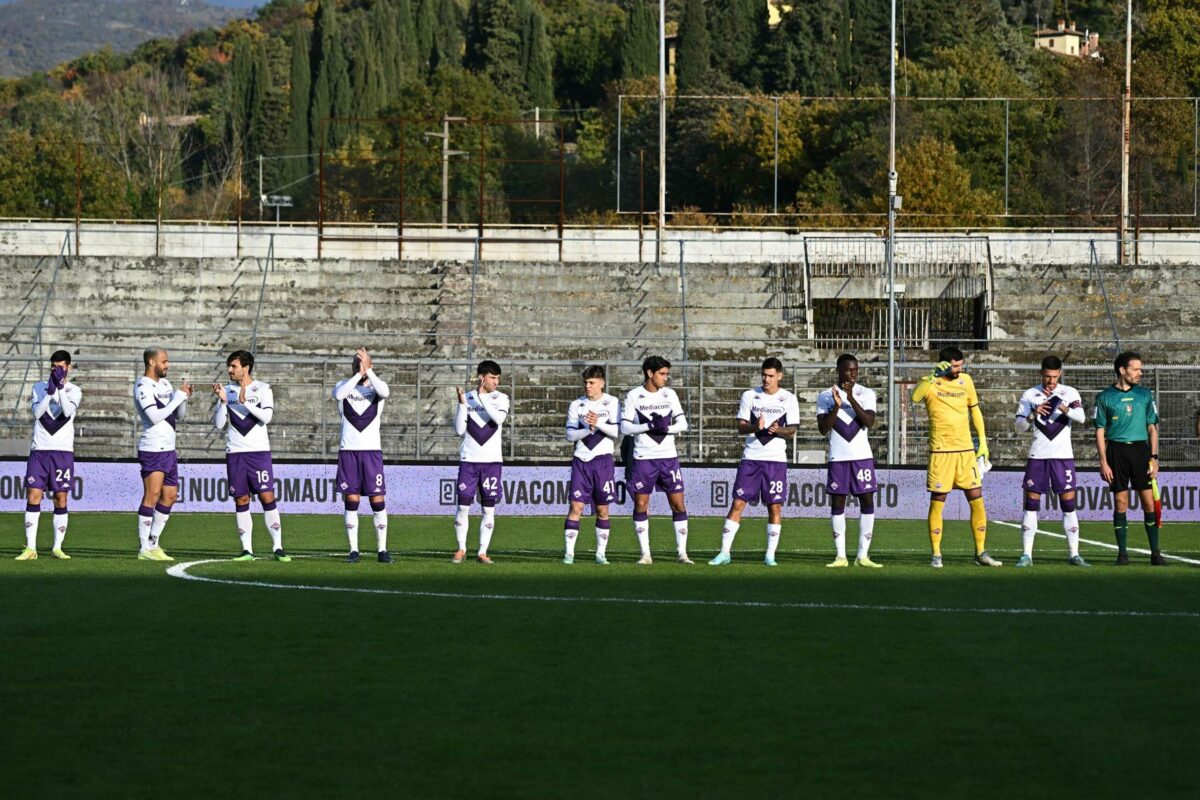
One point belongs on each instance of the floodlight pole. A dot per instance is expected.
(890, 253)
(661, 220)
(1126, 102)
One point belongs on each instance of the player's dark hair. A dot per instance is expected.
(845, 358)
(149, 353)
(487, 367)
(1051, 362)
(594, 371)
(653, 364)
(60, 356)
(773, 363)
(243, 357)
(950, 353)
(1122, 360)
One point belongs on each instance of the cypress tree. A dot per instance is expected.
(447, 34)
(537, 62)
(735, 32)
(639, 43)
(495, 47)
(692, 60)
(238, 90)
(366, 71)
(331, 95)
(407, 55)
(424, 22)
(299, 90)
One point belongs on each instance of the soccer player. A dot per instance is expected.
(845, 413)
(159, 407)
(652, 414)
(479, 419)
(593, 423)
(1048, 410)
(51, 463)
(245, 407)
(953, 406)
(360, 400)
(767, 416)
(1126, 420)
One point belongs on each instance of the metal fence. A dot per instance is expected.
(417, 422)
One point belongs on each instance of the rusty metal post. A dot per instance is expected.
(400, 221)
(562, 183)
(321, 190)
(482, 161)
(641, 201)
(78, 191)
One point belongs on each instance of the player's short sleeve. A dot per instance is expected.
(743, 412)
(502, 402)
(1074, 400)
(824, 403)
(676, 406)
(145, 397)
(266, 397)
(1100, 413)
(972, 395)
(868, 400)
(573, 414)
(1024, 405)
(627, 409)
(1151, 409)
(791, 414)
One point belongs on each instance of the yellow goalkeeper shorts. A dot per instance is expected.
(949, 471)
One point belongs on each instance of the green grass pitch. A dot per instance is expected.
(531, 679)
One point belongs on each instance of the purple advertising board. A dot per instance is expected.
(542, 490)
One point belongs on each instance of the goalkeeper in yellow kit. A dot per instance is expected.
(954, 462)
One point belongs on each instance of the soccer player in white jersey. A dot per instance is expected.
(593, 425)
(51, 466)
(767, 416)
(159, 407)
(845, 413)
(245, 407)
(653, 415)
(479, 419)
(1048, 410)
(360, 400)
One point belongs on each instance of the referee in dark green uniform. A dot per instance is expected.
(1127, 440)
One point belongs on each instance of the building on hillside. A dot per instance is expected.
(1066, 40)
(775, 11)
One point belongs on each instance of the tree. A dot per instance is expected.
(298, 98)
(331, 96)
(736, 28)
(447, 35)
(506, 42)
(536, 59)
(692, 59)
(639, 44)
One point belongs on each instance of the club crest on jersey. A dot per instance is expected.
(937, 486)
(1029, 482)
(833, 484)
(740, 491)
(639, 484)
(578, 493)
(462, 486)
(345, 486)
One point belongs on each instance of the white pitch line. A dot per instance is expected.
(1101, 544)
(181, 571)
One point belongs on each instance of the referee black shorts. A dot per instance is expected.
(1130, 463)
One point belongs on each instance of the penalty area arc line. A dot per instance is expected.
(181, 571)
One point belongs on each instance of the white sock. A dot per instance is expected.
(462, 521)
(245, 525)
(156, 528)
(642, 529)
(487, 527)
(274, 527)
(866, 529)
(31, 526)
(727, 533)
(839, 534)
(1028, 530)
(60, 530)
(381, 530)
(569, 537)
(681, 537)
(601, 540)
(1071, 529)
(351, 518)
(773, 538)
(144, 525)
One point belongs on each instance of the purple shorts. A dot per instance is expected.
(249, 473)
(482, 477)
(164, 462)
(592, 481)
(360, 472)
(52, 470)
(852, 477)
(761, 481)
(1045, 475)
(651, 472)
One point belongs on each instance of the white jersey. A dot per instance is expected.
(246, 423)
(1051, 434)
(159, 407)
(54, 417)
(599, 442)
(848, 439)
(780, 407)
(638, 408)
(479, 419)
(361, 407)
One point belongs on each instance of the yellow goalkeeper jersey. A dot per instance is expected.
(949, 404)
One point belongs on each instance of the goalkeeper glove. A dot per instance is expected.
(941, 369)
(982, 452)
